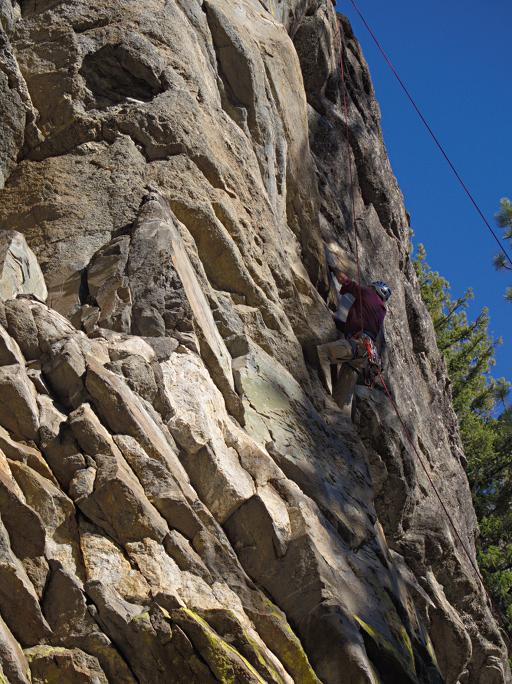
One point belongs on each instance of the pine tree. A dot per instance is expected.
(466, 345)
(491, 479)
(485, 422)
(504, 220)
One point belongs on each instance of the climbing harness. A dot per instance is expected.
(372, 357)
(434, 137)
(364, 342)
(371, 350)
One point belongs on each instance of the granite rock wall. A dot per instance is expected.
(180, 500)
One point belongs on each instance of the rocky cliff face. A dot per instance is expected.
(180, 500)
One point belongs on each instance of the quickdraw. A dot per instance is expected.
(374, 364)
(371, 350)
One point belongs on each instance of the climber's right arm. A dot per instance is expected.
(348, 285)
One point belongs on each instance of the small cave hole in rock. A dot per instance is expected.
(115, 72)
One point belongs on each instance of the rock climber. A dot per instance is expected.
(360, 317)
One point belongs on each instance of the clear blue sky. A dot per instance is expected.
(456, 59)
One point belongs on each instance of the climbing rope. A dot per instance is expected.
(406, 431)
(429, 477)
(434, 137)
(350, 174)
(495, 609)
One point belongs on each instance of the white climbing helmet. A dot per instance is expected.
(382, 289)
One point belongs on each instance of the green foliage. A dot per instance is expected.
(485, 422)
(492, 486)
(504, 220)
(466, 345)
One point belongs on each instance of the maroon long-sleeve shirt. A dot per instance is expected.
(372, 306)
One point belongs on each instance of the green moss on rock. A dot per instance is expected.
(406, 640)
(431, 652)
(141, 617)
(227, 622)
(42, 651)
(227, 664)
(274, 629)
(58, 665)
(406, 663)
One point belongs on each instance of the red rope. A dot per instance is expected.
(432, 483)
(350, 174)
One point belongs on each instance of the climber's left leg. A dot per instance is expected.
(333, 353)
